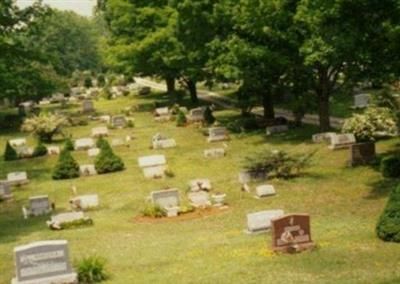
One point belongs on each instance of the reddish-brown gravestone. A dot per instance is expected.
(291, 233)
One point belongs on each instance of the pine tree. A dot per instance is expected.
(181, 119)
(40, 150)
(69, 145)
(107, 161)
(9, 153)
(66, 167)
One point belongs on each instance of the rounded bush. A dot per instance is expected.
(390, 167)
(388, 227)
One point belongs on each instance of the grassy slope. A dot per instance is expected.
(344, 204)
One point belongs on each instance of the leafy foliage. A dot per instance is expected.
(107, 161)
(92, 270)
(373, 123)
(388, 227)
(66, 167)
(390, 167)
(44, 126)
(9, 153)
(154, 210)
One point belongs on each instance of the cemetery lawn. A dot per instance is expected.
(344, 205)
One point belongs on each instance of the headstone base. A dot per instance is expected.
(295, 248)
(60, 279)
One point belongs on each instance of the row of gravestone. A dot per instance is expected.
(48, 261)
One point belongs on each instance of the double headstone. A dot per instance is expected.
(84, 202)
(340, 141)
(100, 131)
(17, 178)
(84, 144)
(160, 141)
(214, 153)
(44, 262)
(166, 198)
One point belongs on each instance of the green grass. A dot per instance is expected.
(344, 205)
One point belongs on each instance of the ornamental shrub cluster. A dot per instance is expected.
(375, 122)
(390, 167)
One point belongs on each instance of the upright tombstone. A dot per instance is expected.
(84, 202)
(5, 191)
(39, 205)
(105, 118)
(162, 114)
(118, 121)
(166, 198)
(19, 142)
(265, 190)
(214, 153)
(84, 144)
(361, 100)
(100, 131)
(275, 129)
(260, 222)
(87, 170)
(196, 115)
(323, 137)
(17, 178)
(45, 262)
(160, 141)
(362, 153)
(291, 233)
(87, 106)
(199, 199)
(153, 166)
(340, 141)
(217, 134)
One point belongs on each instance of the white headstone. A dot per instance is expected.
(67, 217)
(18, 142)
(153, 166)
(87, 170)
(265, 190)
(323, 137)
(85, 202)
(166, 198)
(214, 153)
(159, 141)
(17, 178)
(276, 129)
(84, 144)
(340, 141)
(217, 134)
(261, 221)
(43, 262)
(53, 150)
(199, 199)
(101, 131)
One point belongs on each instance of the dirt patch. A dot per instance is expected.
(197, 214)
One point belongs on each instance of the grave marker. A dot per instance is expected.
(260, 222)
(217, 134)
(166, 198)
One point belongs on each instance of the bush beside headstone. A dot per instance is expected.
(107, 161)
(390, 167)
(388, 227)
(66, 167)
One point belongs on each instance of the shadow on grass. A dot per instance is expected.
(381, 188)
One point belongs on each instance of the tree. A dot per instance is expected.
(69, 145)
(66, 167)
(44, 126)
(107, 161)
(9, 153)
(181, 119)
(346, 40)
(141, 39)
(40, 150)
(388, 227)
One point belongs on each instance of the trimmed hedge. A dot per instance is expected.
(390, 167)
(388, 227)
(66, 167)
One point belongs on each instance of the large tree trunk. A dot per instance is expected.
(323, 93)
(268, 105)
(193, 91)
(170, 84)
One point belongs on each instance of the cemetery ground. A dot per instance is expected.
(344, 204)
